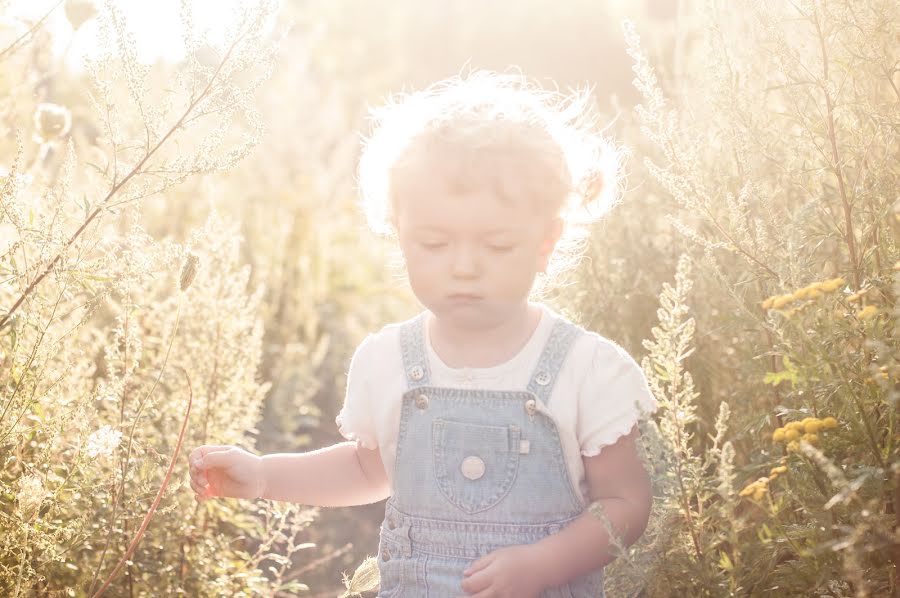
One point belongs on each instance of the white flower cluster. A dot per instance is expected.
(103, 442)
(31, 494)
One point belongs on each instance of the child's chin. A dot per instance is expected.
(474, 315)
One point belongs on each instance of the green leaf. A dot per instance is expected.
(725, 562)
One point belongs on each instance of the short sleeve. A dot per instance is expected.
(355, 421)
(612, 398)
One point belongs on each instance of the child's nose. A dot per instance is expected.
(466, 261)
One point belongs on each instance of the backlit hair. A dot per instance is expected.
(492, 131)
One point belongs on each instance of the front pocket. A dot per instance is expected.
(475, 465)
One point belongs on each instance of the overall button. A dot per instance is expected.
(416, 372)
(472, 467)
(422, 401)
(543, 379)
(530, 406)
(391, 523)
(385, 554)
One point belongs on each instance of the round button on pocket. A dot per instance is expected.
(422, 401)
(472, 467)
(385, 554)
(530, 406)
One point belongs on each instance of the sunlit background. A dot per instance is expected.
(751, 267)
(156, 27)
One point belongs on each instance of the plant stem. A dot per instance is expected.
(835, 157)
(10, 48)
(159, 494)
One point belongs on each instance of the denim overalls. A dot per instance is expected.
(475, 470)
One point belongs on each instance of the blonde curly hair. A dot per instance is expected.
(493, 131)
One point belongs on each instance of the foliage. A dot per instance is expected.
(776, 160)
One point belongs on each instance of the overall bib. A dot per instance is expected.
(475, 470)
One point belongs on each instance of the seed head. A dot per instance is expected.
(78, 12)
(51, 122)
(189, 271)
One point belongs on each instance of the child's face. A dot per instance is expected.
(472, 258)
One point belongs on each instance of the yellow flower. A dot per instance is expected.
(813, 426)
(791, 434)
(760, 484)
(782, 300)
(767, 303)
(867, 312)
(748, 490)
(813, 293)
(833, 284)
(779, 469)
(778, 435)
(759, 493)
(811, 438)
(857, 296)
(829, 423)
(802, 293)
(793, 446)
(794, 426)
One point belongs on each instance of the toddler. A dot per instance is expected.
(489, 422)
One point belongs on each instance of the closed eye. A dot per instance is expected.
(433, 246)
(501, 248)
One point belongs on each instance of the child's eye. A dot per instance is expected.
(433, 245)
(501, 248)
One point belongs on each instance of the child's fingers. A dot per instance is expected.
(220, 458)
(477, 582)
(200, 452)
(197, 487)
(198, 474)
(478, 565)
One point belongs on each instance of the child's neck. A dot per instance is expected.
(484, 347)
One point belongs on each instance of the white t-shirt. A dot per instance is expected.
(598, 396)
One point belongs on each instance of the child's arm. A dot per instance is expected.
(340, 475)
(617, 479)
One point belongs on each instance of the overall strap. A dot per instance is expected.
(412, 347)
(554, 354)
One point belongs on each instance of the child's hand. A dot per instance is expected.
(510, 572)
(225, 471)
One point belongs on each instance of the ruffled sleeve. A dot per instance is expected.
(355, 420)
(613, 397)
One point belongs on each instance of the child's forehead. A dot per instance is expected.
(480, 212)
